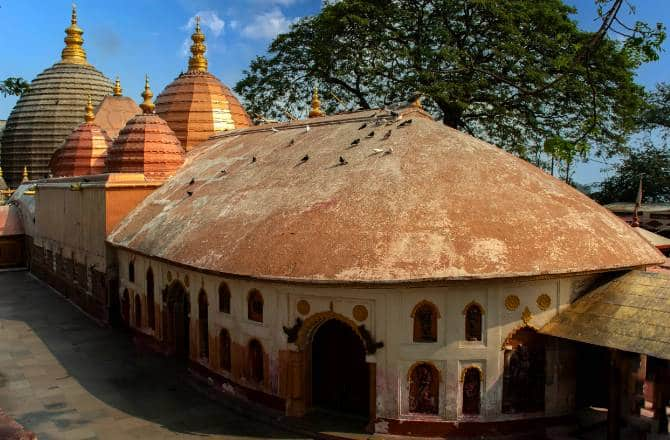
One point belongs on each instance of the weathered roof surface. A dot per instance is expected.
(114, 112)
(10, 221)
(630, 313)
(440, 205)
(45, 115)
(656, 240)
(196, 105)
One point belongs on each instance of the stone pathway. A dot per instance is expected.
(63, 377)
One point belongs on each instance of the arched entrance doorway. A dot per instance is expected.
(178, 320)
(340, 375)
(524, 374)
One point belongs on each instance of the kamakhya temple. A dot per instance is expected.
(374, 263)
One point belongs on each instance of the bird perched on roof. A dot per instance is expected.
(365, 124)
(291, 142)
(224, 172)
(192, 181)
(253, 159)
(343, 161)
(387, 135)
(307, 128)
(305, 158)
(190, 193)
(371, 134)
(274, 130)
(377, 150)
(405, 123)
(356, 141)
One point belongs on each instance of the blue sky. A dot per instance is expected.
(132, 37)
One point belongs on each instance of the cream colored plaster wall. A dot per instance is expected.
(389, 320)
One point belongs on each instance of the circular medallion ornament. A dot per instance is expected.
(544, 301)
(512, 302)
(169, 276)
(303, 307)
(360, 313)
(186, 281)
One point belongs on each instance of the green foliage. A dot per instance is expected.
(513, 72)
(657, 111)
(650, 162)
(14, 86)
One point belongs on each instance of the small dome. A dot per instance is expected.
(44, 116)
(83, 152)
(146, 145)
(196, 105)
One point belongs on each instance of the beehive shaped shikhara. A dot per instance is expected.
(146, 145)
(45, 115)
(84, 151)
(196, 105)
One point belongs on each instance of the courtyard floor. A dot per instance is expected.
(64, 377)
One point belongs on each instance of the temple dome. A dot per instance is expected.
(146, 145)
(196, 105)
(84, 151)
(115, 111)
(45, 115)
(366, 198)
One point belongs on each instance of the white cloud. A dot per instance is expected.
(234, 24)
(267, 24)
(209, 20)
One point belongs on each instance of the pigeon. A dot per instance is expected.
(388, 151)
(387, 135)
(405, 123)
(224, 172)
(356, 141)
(343, 161)
(371, 134)
(190, 193)
(305, 158)
(377, 150)
(253, 159)
(274, 130)
(192, 181)
(307, 128)
(363, 126)
(291, 142)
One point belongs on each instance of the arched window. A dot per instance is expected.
(224, 350)
(524, 374)
(203, 320)
(425, 316)
(131, 271)
(255, 306)
(224, 298)
(473, 322)
(256, 367)
(125, 306)
(472, 385)
(151, 307)
(424, 389)
(138, 311)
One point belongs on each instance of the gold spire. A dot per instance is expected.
(197, 62)
(74, 52)
(415, 101)
(118, 91)
(90, 116)
(316, 112)
(0, 171)
(25, 175)
(147, 106)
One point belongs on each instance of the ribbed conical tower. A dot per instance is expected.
(44, 116)
(196, 105)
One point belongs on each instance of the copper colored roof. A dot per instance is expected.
(196, 105)
(407, 203)
(113, 113)
(44, 116)
(83, 152)
(146, 145)
(10, 221)
(630, 313)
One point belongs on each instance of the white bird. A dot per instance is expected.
(377, 150)
(274, 130)
(307, 128)
(388, 151)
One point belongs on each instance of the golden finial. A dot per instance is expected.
(25, 175)
(90, 116)
(316, 112)
(198, 62)
(0, 171)
(74, 52)
(416, 101)
(147, 106)
(117, 87)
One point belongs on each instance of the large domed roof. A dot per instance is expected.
(196, 105)
(45, 115)
(146, 145)
(363, 198)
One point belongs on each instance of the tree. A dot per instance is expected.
(657, 112)
(512, 72)
(14, 86)
(652, 164)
